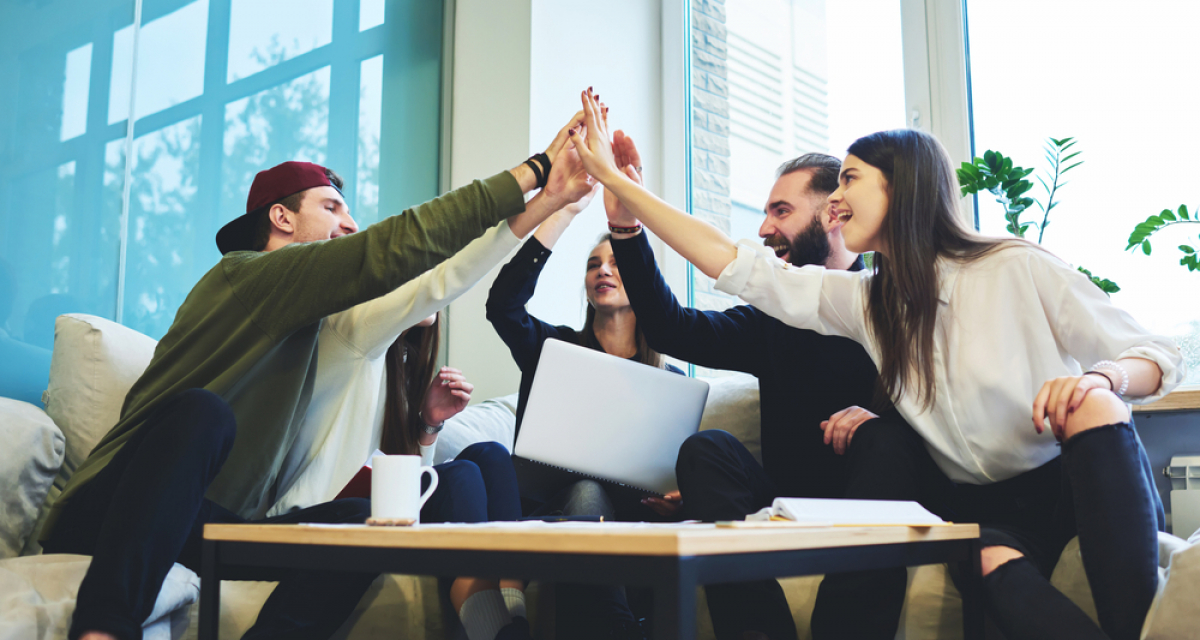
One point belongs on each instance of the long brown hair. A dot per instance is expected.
(644, 355)
(922, 224)
(408, 379)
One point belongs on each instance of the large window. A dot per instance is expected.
(114, 215)
(1117, 79)
(775, 79)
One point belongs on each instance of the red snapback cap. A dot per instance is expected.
(269, 186)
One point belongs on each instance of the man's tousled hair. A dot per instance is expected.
(825, 170)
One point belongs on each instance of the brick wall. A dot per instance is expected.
(710, 132)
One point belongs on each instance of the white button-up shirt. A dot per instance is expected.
(1007, 323)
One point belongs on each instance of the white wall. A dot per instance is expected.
(518, 72)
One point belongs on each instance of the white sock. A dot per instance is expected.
(514, 599)
(484, 614)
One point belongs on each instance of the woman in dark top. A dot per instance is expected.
(609, 326)
(583, 611)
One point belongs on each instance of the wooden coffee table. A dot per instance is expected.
(671, 558)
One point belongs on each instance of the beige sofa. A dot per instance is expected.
(96, 361)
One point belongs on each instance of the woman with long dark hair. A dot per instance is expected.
(982, 344)
(378, 387)
(582, 611)
(609, 326)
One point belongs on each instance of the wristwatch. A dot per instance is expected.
(431, 429)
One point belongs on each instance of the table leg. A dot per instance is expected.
(675, 601)
(210, 592)
(971, 589)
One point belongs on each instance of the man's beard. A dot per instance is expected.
(810, 246)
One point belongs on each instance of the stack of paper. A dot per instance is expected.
(819, 511)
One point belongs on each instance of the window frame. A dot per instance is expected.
(937, 90)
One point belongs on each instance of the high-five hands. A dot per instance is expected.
(840, 427)
(568, 181)
(563, 136)
(626, 156)
(593, 143)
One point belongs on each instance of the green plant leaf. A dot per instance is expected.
(1146, 247)
(1105, 285)
(1167, 216)
(1183, 211)
(1186, 249)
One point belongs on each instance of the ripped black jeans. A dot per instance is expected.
(1100, 489)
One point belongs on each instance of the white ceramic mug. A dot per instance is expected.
(396, 487)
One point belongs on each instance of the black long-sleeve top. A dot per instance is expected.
(521, 332)
(804, 377)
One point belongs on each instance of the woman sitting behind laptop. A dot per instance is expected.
(583, 611)
(609, 326)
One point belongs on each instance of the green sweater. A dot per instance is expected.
(248, 332)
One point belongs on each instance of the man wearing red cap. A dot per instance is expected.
(239, 360)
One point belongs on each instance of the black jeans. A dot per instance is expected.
(588, 611)
(720, 480)
(1099, 489)
(146, 510)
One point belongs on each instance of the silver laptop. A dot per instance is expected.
(594, 415)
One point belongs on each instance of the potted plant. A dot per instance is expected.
(997, 174)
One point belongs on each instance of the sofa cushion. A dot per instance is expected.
(492, 420)
(29, 460)
(37, 598)
(733, 406)
(95, 363)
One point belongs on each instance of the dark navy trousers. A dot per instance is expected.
(146, 511)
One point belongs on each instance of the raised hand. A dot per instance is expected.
(569, 182)
(593, 143)
(626, 156)
(581, 204)
(563, 135)
(448, 394)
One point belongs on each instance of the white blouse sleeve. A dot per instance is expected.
(427, 452)
(1091, 328)
(827, 301)
(371, 327)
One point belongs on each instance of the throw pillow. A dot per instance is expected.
(492, 420)
(94, 364)
(733, 406)
(33, 452)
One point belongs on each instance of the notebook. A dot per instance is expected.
(593, 415)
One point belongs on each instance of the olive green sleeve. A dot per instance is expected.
(299, 284)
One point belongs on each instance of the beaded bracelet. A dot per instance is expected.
(633, 229)
(1109, 365)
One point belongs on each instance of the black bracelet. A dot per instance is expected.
(543, 175)
(1112, 385)
(537, 173)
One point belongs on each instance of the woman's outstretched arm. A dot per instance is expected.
(697, 241)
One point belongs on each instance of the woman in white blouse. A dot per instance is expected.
(979, 342)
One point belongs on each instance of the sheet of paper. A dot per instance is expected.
(854, 512)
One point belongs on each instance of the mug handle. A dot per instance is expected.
(433, 483)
